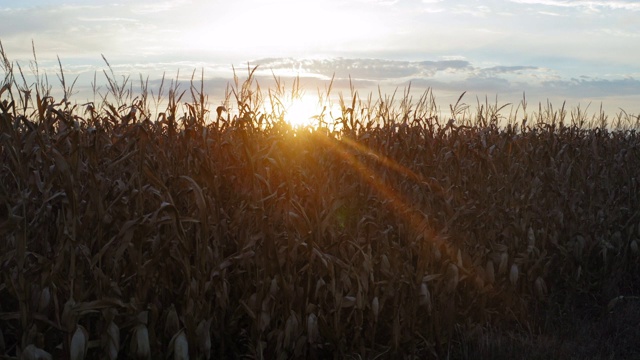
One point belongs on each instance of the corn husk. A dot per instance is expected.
(179, 346)
(140, 347)
(313, 334)
(203, 336)
(32, 352)
(513, 274)
(79, 343)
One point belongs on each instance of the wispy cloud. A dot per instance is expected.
(587, 87)
(456, 76)
(370, 69)
(476, 11)
(496, 70)
(616, 32)
(623, 5)
(549, 13)
(159, 6)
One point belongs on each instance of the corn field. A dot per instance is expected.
(385, 232)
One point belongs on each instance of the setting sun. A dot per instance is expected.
(301, 111)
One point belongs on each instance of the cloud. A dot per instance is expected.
(587, 87)
(549, 13)
(452, 77)
(616, 5)
(495, 70)
(475, 11)
(614, 32)
(364, 69)
(157, 7)
(128, 30)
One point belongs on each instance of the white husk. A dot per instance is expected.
(79, 343)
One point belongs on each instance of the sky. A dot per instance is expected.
(583, 52)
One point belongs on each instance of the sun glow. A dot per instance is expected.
(301, 111)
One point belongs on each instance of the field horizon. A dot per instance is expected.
(149, 222)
